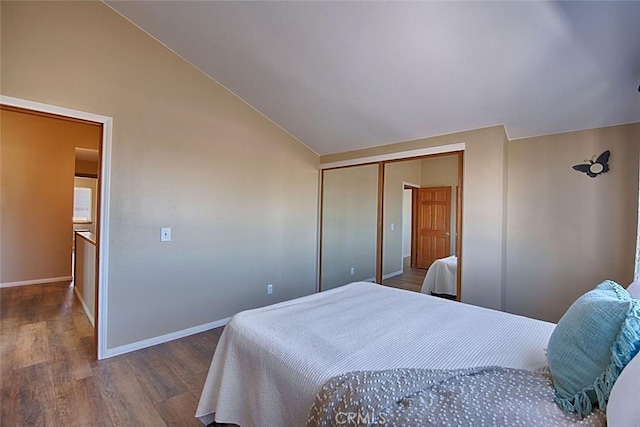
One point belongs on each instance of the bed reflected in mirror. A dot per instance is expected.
(420, 223)
(349, 225)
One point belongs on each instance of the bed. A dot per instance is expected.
(441, 277)
(271, 362)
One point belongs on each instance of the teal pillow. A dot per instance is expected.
(592, 343)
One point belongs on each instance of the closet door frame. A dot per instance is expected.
(459, 151)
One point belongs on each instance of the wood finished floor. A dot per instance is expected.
(50, 378)
(411, 279)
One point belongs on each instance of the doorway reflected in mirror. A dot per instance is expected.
(420, 225)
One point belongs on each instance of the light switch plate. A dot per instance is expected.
(165, 234)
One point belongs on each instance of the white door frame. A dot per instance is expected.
(105, 182)
(412, 185)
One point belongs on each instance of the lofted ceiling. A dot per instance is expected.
(341, 76)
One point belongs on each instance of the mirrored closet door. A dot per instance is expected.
(394, 222)
(348, 225)
(420, 225)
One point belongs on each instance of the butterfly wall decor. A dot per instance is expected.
(597, 167)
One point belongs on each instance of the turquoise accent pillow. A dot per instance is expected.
(592, 343)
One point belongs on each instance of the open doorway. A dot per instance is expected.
(39, 164)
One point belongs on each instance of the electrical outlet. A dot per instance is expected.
(353, 271)
(269, 289)
(393, 226)
(165, 234)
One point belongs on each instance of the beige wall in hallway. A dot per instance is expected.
(86, 168)
(37, 161)
(440, 171)
(240, 194)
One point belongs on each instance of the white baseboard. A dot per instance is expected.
(84, 306)
(394, 274)
(36, 282)
(386, 276)
(139, 345)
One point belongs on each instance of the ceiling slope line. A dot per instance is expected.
(214, 80)
(569, 131)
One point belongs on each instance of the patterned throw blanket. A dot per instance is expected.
(487, 396)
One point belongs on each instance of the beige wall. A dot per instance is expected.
(239, 193)
(484, 204)
(568, 232)
(37, 163)
(442, 171)
(394, 177)
(349, 225)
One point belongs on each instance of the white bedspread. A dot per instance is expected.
(271, 362)
(441, 277)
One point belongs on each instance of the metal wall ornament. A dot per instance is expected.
(597, 167)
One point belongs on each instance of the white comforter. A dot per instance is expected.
(271, 362)
(441, 277)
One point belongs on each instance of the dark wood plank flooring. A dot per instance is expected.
(49, 376)
(411, 279)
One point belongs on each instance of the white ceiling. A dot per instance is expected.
(347, 75)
